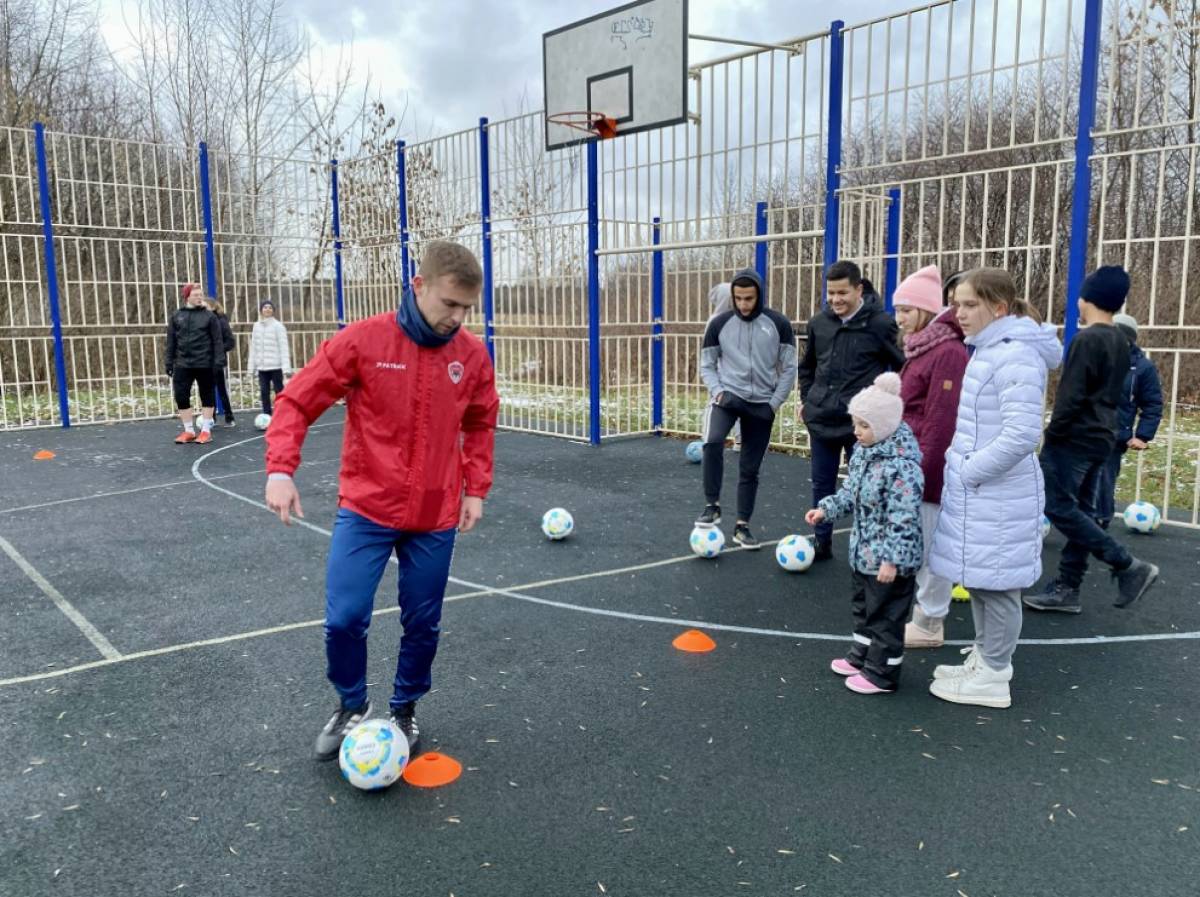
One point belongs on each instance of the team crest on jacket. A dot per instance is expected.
(456, 370)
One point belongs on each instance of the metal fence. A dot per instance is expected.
(1043, 136)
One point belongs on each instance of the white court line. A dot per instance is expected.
(191, 482)
(482, 590)
(202, 643)
(91, 632)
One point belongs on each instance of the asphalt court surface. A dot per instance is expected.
(598, 759)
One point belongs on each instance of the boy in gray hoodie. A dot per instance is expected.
(748, 364)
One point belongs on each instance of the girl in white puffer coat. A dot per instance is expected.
(270, 356)
(988, 536)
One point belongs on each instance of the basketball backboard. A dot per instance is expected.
(628, 64)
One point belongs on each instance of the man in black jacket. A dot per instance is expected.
(848, 344)
(194, 347)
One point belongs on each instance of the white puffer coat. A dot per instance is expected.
(989, 533)
(269, 347)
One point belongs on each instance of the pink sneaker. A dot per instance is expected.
(865, 686)
(843, 667)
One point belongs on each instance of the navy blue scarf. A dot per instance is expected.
(413, 323)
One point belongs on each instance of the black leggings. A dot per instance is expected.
(266, 380)
(757, 419)
(222, 391)
(182, 383)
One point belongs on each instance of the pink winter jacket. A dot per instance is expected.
(931, 381)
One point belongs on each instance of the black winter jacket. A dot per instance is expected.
(194, 339)
(228, 342)
(842, 359)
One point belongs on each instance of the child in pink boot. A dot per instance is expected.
(883, 490)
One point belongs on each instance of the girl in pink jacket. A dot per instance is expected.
(931, 380)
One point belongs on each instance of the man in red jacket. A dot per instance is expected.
(416, 466)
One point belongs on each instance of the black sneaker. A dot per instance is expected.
(229, 421)
(823, 551)
(342, 721)
(710, 517)
(742, 536)
(1056, 596)
(1133, 581)
(405, 719)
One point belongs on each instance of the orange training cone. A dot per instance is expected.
(694, 641)
(43, 455)
(432, 770)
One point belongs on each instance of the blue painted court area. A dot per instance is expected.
(162, 680)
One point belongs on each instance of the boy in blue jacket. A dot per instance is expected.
(1141, 402)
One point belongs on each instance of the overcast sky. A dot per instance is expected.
(460, 59)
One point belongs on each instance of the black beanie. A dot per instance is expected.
(1106, 287)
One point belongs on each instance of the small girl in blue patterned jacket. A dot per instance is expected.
(883, 491)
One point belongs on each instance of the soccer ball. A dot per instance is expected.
(1142, 517)
(262, 421)
(1045, 526)
(695, 451)
(794, 553)
(557, 523)
(707, 541)
(373, 754)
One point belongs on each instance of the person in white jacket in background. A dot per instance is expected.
(988, 536)
(270, 356)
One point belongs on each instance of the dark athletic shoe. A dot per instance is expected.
(823, 552)
(1055, 596)
(710, 517)
(229, 421)
(404, 718)
(1133, 581)
(342, 721)
(742, 536)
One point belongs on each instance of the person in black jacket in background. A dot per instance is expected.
(849, 343)
(193, 347)
(1141, 404)
(228, 344)
(1078, 441)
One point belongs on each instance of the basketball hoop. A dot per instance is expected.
(596, 123)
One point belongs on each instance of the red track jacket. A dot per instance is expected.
(420, 422)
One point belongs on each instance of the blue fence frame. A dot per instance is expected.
(60, 361)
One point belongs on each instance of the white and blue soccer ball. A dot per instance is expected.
(262, 421)
(557, 523)
(794, 553)
(707, 541)
(695, 451)
(373, 754)
(1045, 526)
(1142, 517)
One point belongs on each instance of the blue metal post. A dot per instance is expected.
(485, 213)
(402, 195)
(656, 342)
(593, 285)
(60, 362)
(210, 252)
(337, 246)
(891, 267)
(833, 156)
(760, 249)
(1081, 196)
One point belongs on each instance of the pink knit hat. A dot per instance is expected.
(921, 290)
(880, 405)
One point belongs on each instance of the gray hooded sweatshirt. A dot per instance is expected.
(751, 356)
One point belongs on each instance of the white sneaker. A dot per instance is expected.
(924, 631)
(982, 686)
(958, 670)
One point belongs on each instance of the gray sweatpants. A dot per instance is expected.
(997, 624)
